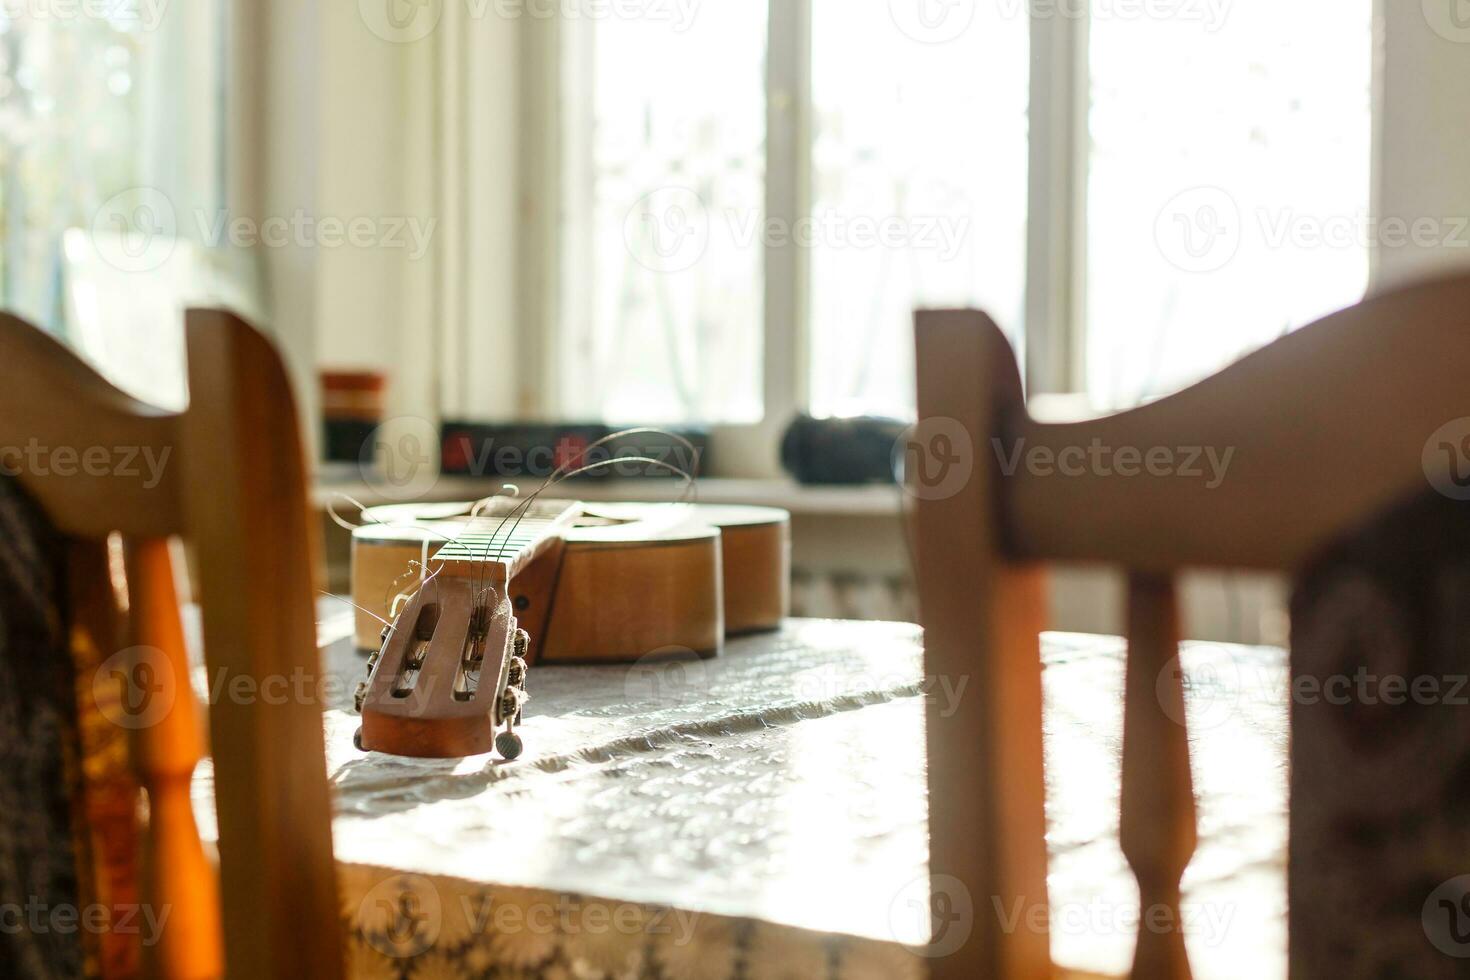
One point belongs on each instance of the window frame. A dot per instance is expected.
(1054, 332)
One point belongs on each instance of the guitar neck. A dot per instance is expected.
(503, 539)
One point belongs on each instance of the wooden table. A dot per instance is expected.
(763, 815)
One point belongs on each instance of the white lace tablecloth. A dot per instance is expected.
(763, 814)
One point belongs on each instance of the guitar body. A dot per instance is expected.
(475, 594)
(619, 582)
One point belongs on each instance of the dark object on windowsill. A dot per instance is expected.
(841, 451)
(527, 450)
(352, 410)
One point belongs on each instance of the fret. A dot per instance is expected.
(498, 541)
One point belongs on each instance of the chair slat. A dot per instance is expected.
(1157, 822)
(249, 521)
(170, 742)
(982, 616)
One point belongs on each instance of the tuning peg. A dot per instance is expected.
(516, 675)
(509, 745)
(510, 703)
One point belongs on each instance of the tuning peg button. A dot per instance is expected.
(509, 745)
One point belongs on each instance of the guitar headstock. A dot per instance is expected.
(448, 675)
(451, 669)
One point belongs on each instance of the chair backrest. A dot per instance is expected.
(1326, 427)
(227, 475)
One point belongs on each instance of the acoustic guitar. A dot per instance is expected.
(476, 594)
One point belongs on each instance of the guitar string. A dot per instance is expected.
(689, 482)
(561, 472)
(424, 575)
(556, 477)
(565, 472)
(482, 587)
(347, 525)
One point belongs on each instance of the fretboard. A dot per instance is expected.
(501, 540)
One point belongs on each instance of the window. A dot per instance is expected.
(665, 326)
(1228, 186)
(918, 192)
(97, 103)
(718, 273)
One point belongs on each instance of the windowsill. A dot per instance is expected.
(875, 500)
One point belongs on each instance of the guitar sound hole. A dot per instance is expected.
(418, 649)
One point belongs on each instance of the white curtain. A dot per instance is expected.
(112, 177)
(91, 107)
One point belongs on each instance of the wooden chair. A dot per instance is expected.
(1328, 426)
(233, 485)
